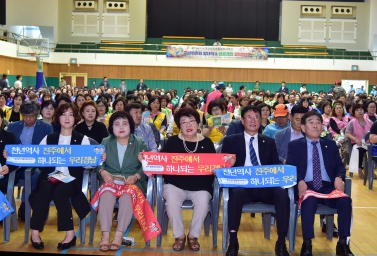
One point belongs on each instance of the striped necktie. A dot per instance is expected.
(253, 155)
(317, 176)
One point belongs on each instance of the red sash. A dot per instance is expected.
(309, 193)
(142, 210)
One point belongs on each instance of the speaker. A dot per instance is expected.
(342, 10)
(3, 16)
(111, 5)
(306, 9)
(85, 5)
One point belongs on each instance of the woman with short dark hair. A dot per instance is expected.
(103, 108)
(65, 195)
(13, 114)
(90, 126)
(355, 131)
(123, 152)
(156, 116)
(178, 188)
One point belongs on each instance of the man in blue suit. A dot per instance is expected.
(320, 169)
(29, 131)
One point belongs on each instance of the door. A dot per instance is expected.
(75, 79)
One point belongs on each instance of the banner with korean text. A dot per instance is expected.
(261, 176)
(54, 155)
(184, 164)
(216, 52)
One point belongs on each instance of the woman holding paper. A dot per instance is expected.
(65, 195)
(355, 131)
(179, 188)
(216, 109)
(123, 151)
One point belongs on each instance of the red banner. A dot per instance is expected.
(309, 193)
(142, 210)
(184, 164)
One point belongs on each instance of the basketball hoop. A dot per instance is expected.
(31, 56)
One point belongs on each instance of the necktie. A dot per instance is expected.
(253, 156)
(317, 177)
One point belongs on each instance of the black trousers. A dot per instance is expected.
(61, 193)
(310, 205)
(275, 196)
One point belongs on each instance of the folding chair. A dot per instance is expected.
(266, 209)
(13, 216)
(212, 216)
(93, 214)
(369, 163)
(82, 223)
(322, 210)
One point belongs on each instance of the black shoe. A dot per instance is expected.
(343, 250)
(232, 250)
(65, 246)
(21, 213)
(38, 246)
(306, 249)
(335, 232)
(281, 250)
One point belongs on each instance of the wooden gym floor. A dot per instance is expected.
(252, 242)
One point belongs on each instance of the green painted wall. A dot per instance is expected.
(179, 85)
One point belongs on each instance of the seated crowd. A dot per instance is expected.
(274, 128)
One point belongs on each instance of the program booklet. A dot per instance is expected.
(118, 179)
(63, 177)
(145, 117)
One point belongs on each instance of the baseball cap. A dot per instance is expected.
(280, 110)
(338, 82)
(261, 93)
(293, 91)
(220, 85)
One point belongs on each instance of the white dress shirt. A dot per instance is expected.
(255, 145)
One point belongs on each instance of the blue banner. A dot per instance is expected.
(54, 155)
(262, 176)
(5, 207)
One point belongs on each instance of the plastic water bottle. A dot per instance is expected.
(1, 176)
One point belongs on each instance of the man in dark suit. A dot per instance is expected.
(29, 131)
(141, 85)
(252, 148)
(104, 83)
(283, 88)
(319, 168)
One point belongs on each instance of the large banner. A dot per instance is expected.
(54, 155)
(216, 52)
(184, 164)
(257, 176)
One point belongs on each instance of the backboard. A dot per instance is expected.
(28, 46)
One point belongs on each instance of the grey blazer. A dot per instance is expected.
(282, 138)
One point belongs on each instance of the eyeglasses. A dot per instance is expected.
(50, 109)
(100, 106)
(191, 122)
(216, 109)
(119, 125)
